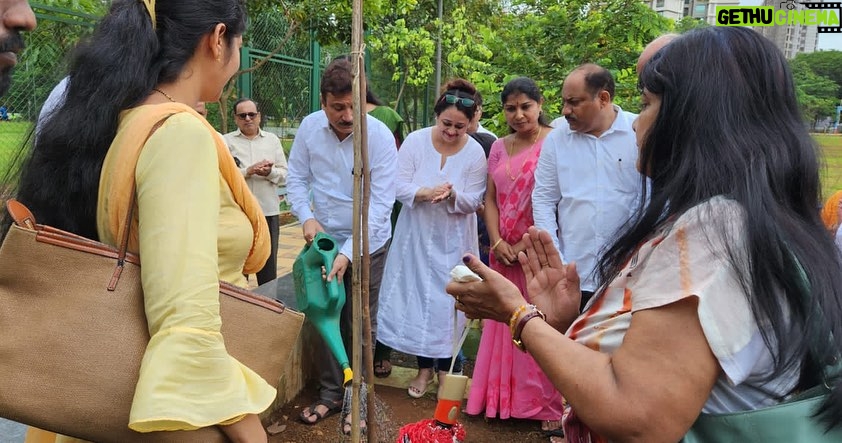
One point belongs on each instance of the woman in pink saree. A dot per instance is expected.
(507, 383)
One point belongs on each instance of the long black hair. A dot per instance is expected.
(114, 70)
(729, 125)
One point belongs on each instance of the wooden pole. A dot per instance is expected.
(368, 350)
(360, 225)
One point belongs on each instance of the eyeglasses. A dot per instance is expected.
(453, 99)
(243, 115)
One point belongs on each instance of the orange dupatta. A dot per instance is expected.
(117, 189)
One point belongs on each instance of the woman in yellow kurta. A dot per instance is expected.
(195, 221)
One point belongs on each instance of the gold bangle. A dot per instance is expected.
(494, 246)
(514, 317)
(518, 330)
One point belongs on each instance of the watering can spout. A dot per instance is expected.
(321, 300)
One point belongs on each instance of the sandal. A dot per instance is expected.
(418, 386)
(552, 430)
(382, 369)
(555, 435)
(307, 414)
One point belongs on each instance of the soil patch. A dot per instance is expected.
(400, 409)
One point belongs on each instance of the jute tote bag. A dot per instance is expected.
(73, 332)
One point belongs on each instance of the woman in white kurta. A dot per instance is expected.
(441, 183)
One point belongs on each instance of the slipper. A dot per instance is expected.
(382, 369)
(309, 412)
(416, 390)
(275, 428)
(555, 435)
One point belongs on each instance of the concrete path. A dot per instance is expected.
(11, 432)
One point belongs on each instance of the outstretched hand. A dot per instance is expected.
(551, 285)
(494, 297)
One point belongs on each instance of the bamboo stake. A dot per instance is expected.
(368, 351)
(357, 235)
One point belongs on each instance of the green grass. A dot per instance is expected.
(12, 135)
(831, 146)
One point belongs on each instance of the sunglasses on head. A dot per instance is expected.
(454, 99)
(243, 115)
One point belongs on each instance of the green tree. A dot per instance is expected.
(688, 23)
(404, 46)
(816, 94)
(827, 64)
(545, 39)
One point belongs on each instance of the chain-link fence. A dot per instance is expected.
(284, 79)
(41, 67)
(286, 85)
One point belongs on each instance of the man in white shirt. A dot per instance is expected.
(261, 160)
(321, 163)
(586, 182)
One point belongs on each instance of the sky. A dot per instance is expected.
(826, 41)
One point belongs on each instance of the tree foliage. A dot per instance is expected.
(827, 64)
(818, 84)
(488, 42)
(545, 40)
(689, 23)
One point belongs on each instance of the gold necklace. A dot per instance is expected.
(512, 152)
(165, 94)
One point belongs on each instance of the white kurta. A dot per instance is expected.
(416, 314)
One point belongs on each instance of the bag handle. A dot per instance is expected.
(127, 224)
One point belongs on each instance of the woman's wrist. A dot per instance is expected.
(528, 314)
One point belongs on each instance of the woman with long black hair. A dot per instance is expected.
(128, 120)
(724, 293)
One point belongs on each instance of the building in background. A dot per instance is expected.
(698, 9)
(790, 39)
(673, 9)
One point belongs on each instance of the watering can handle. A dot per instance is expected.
(333, 288)
(333, 285)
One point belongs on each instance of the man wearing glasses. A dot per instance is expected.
(261, 159)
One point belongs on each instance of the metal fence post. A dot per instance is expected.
(244, 80)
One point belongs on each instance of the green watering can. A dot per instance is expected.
(322, 301)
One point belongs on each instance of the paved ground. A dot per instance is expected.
(11, 432)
